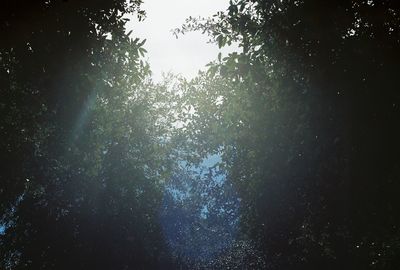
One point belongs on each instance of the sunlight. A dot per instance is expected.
(200, 213)
(143, 141)
(189, 53)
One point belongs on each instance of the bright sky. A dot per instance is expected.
(185, 55)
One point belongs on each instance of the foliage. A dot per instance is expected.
(81, 159)
(307, 117)
(101, 168)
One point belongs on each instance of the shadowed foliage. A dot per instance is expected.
(308, 116)
(101, 168)
(76, 188)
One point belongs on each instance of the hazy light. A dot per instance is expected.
(200, 212)
(185, 55)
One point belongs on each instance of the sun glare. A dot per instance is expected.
(190, 52)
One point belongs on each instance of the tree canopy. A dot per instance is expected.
(283, 155)
(307, 116)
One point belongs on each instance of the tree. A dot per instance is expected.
(77, 186)
(308, 113)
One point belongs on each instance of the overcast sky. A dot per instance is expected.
(185, 55)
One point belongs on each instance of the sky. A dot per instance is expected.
(185, 55)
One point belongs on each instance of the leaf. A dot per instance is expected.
(221, 41)
(142, 42)
(142, 51)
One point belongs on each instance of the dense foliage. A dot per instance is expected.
(79, 158)
(307, 117)
(101, 168)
